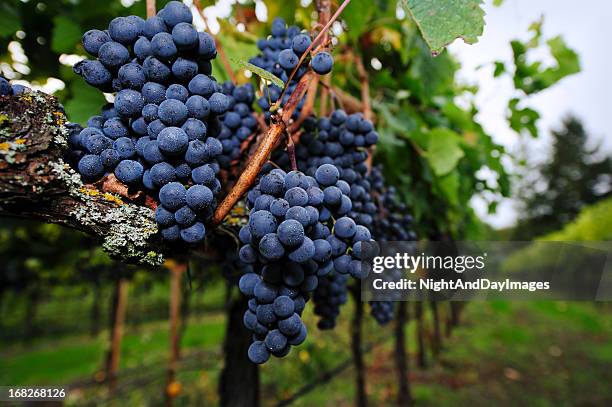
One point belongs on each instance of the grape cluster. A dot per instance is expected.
(238, 123)
(6, 89)
(290, 245)
(392, 223)
(341, 140)
(382, 311)
(328, 297)
(161, 49)
(280, 55)
(161, 132)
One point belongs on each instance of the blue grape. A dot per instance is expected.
(185, 216)
(176, 12)
(162, 173)
(194, 234)
(184, 69)
(172, 112)
(142, 48)
(172, 196)
(197, 107)
(124, 30)
(206, 46)
(155, 70)
(199, 197)
(93, 40)
(91, 167)
(258, 352)
(178, 92)
(94, 73)
(112, 55)
(185, 36)
(129, 172)
(124, 147)
(129, 103)
(154, 93)
(172, 140)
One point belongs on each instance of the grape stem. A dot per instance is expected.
(151, 8)
(220, 50)
(264, 149)
(322, 34)
(291, 151)
(308, 105)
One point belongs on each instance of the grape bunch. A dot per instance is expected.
(391, 223)
(328, 297)
(238, 123)
(280, 54)
(290, 245)
(162, 49)
(382, 311)
(161, 132)
(341, 140)
(6, 89)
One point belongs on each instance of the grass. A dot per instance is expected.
(503, 353)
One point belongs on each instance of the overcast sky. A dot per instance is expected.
(587, 28)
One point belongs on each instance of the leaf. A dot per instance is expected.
(284, 9)
(356, 15)
(9, 20)
(86, 101)
(66, 35)
(449, 187)
(522, 118)
(441, 22)
(262, 73)
(500, 68)
(568, 62)
(444, 151)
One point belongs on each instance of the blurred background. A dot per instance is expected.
(507, 139)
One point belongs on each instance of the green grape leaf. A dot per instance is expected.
(356, 15)
(500, 68)
(9, 20)
(284, 9)
(522, 118)
(444, 151)
(66, 34)
(262, 73)
(441, 22)
(85, 102)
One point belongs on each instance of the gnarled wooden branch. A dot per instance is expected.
(263, 151)
(35, 182)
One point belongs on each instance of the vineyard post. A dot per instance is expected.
(239, 381)
(436, 343)
(420, 335)
(361, 398)
(404, 397)
(118, 319)
(176, 269)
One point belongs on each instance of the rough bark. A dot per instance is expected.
(35, 182)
